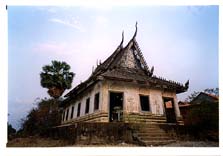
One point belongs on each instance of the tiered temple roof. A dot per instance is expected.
(128, 64)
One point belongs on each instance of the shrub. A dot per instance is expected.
(203, 120)
(40, 119)
(11, 131)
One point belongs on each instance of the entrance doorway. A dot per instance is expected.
(116, 107)
(169, 109)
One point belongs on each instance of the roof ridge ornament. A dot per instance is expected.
(135, 31)
(187, 84)
(151, 71)
(121, 44)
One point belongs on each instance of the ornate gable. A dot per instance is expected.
(129, 60)
(128, 64)
(130, 57)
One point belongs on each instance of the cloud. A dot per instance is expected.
(95, 6)
(18, 108)
(52, 10)
(50, 47)
(23, 101)
(70, 23)
(102, 20)
(195, 10)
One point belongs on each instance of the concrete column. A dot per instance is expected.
(104, 98)
(176, 107)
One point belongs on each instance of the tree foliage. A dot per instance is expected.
(213, 91)
(204, 115)
(11, 131)
(56, 78)
(39, 120)
(192, 96)
(203, 119)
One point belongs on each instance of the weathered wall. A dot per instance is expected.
(128, 60)
(131, 97)
(156, 102)
(90, 93)
(95, 133)
(131, 101)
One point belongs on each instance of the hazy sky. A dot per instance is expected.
(180, 42)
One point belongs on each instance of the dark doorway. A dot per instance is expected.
(144, 102)
(116, 107)
(169, 109)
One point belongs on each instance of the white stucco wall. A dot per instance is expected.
(131, 102)
(97, 88)
(156, 102)
(131, 97)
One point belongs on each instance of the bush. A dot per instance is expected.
(11, 131)
(203, 120)
(40, 119)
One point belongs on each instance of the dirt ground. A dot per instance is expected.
(36, 142)
(193, 144)
(46, 142)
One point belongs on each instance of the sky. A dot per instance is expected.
(181, 42)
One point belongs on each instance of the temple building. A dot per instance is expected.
(124, 89)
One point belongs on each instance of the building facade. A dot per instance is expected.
(123, 89)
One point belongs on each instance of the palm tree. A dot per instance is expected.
(56, 78)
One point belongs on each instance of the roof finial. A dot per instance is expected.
(187, 84)
(152, 70)
(92, 69)
(135, 31)
(122, 38)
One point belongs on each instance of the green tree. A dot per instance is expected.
(192, 96)
(56, 78)
(11, 131)
(39, 120)
(214, 91)
(203, 120)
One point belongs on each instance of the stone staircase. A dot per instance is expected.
(100, 134)
(143, 118)
(152, 135)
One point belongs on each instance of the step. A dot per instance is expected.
(151, 120)
(155, 138)
(151, 134)
(180, 122)
(148, 127)
(151, 130)
(97, 143)
(158, 142)
(148, 118)
(148, 136)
